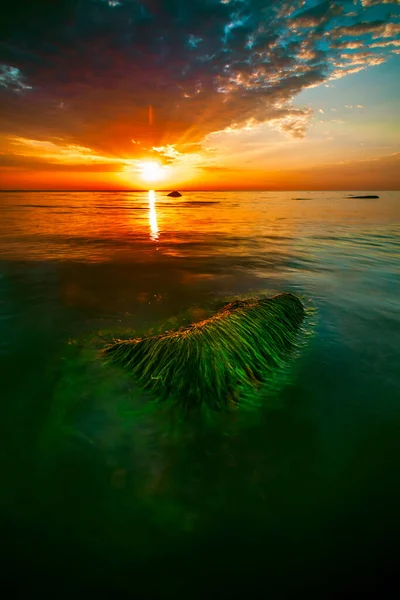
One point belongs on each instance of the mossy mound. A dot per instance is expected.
(219, 360)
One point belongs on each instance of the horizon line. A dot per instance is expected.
(204, 190)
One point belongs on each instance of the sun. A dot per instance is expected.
(151, 170)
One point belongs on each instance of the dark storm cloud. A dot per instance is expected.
(86, 71)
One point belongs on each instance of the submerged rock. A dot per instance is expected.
(219, 361)
(174, 194)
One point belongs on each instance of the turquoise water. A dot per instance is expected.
(97, 494)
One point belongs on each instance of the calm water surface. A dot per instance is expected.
(300, 496)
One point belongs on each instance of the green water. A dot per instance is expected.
(104, 491)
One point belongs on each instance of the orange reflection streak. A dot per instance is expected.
(154, 232)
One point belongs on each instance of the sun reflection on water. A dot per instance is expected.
(154, 231)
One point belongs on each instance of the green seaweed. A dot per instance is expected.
(216, 362)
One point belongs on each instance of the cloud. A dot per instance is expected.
(354, 62)
(349, 45)
(11, 78)
(168, 153)
(378, 28)
(374, 2)
(166, 74)
(383, 44)
(391, 29)
(317, 15)
(28, 153)
(361, 28)
(293, 124)
(29, 163)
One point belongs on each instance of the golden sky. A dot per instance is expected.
(223, 94)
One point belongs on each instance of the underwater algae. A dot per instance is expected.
(219, 360)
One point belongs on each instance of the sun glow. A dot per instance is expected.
(154, 235)
(151, 171)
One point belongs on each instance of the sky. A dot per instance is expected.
(200, 94)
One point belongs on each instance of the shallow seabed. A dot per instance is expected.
(103, 489)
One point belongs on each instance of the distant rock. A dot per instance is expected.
(362, 197)
(174, 194)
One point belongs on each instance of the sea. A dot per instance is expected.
(104, 491)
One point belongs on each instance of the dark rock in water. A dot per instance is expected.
(362, 197)
(174, 194)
